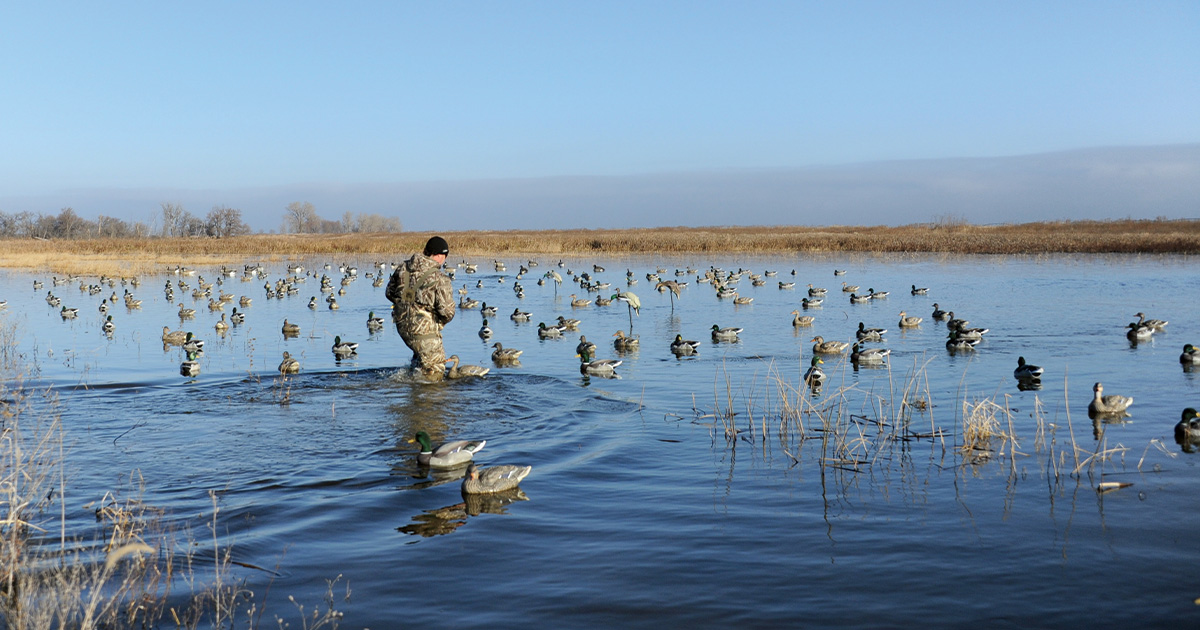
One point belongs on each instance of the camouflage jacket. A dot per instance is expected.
(423, 297)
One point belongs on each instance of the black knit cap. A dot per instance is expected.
(437, 245)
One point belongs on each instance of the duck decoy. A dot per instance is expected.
(343, 348)
(802, 320)
(939, 314)
(192, 344)
(290, 329)
(820, 346)
(485, 331)
(684, 347)
(108, 327)
(1188, 427)
(222, 324)
(373, 322)
(1107, 405)
(1190, 355)
(579, 302)
(1157, 324)
(549, 332)
(449, 455)
(877, 295)
(849, 288)
(859, 299)
(729, 333)
(909, 321)
(190, 367)
(500, 354)
(624, 343)
(236, 317)
(462, 371)
(1026, 371)
(1138, 332)
(597, 367)
(808, 303)
(868, 356)
(493, 479)
(814, 376)
(173, 338)
(585, 346)
(919, 290)
(289, 365)
(519, 316)
(954, 342)
(870, 334)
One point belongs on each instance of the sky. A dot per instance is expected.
(513, 114)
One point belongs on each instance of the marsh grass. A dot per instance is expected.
(124, 257)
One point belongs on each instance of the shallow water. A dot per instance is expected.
(639, 510)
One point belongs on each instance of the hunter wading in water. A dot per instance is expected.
(423, 300)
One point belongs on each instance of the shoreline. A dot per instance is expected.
(124, 257)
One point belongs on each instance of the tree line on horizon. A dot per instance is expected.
(176, 221)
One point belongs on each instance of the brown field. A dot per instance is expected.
(137, 256)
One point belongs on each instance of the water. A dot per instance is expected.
(639, 511)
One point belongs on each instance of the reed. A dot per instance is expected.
(1127, 236)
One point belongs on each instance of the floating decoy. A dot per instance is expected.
(816, 291)
(683, 346)
(585, 346)
(69, 313)
(190, 366)
(810, 303)
(742, 300)
(462, 371)
(624, 343)
(1107, 405)
(568, 323)
(579, 302)
(597, 367)
(849, 288)
(222, 324)
(192, 344)
(236, 317)
(186, 313)
(312, 303)
(494, 479)
(909, 321)
(802, 320)
(1157, 324)
(549, 332)
(1026, 370)
(919, 291)
(1190, 355)
(876, 295)
(485, 331)
(501, 354)
(868, 356)
(814, 376)
(343, 348)
(448, 455)
(938, 313)
(820, 346)
(859, 299)
(487, 311)
(870, 334)
(1188, 427)
(108, 326)
(374, 323)
(1138, 332)
(955, 342)
(729, 333)
(290, 329)
(289, 365)
(519, 316)
(174, 338)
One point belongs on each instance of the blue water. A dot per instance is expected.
(642, 508)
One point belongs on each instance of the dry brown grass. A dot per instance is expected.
(132, 256)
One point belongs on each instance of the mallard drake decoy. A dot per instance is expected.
(836, 272)
(820, 346)
(333, 304)
(955, 342)
(579, 302)
(859, 299)
(236, 317)
(585, 346)
(69, 313)
(312, 302)
(493, 479)
(849, 288)
(971, 333)
(729, 333)
(108, 327)
(815, 376)
(919, 290)
(343, 348)
(289, 365)
(1188, 427)
(802, 320)
(683, 346)
(808, 303)
(598, 367)
(487, 311)
(1138, 332)
(519, 316)
(1157, 324)
(449, 455)
(1190, 355)
(190, 367)
(909, 321)
(373, 322)
(103, 306)
(192, 344)
(485, 331)
(1026, 370)
(174, 338)
(939, 314)
(868, 356)
(568, 323)
(1106, 405)
(816, 291)
(877, 295)
(502, 354)
(549, 332)
(869, 334)
(463, 371)
(625, 343)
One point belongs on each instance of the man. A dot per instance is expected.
(423, 300)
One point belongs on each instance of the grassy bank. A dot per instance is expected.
(133, 256)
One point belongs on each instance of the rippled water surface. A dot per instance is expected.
(642, 509)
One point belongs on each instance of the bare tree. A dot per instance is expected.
(172, 218)
(300, 217)
(223, 221)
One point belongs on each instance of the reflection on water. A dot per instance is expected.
(718, 464)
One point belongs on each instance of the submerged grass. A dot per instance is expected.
(123, 257)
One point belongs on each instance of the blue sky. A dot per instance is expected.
(207, 101)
